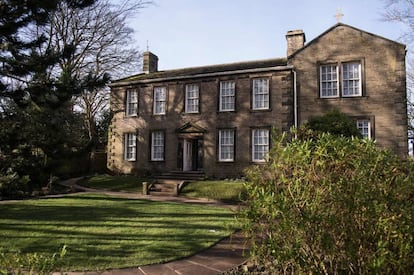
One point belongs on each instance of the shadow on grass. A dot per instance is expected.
(106, 232)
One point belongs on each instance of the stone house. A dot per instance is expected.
(217, 119)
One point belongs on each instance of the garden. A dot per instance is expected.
(99, 232)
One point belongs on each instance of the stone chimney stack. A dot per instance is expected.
(150, 64)
(295, 41)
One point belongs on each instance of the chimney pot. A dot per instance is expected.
(295, 41)
(150, 64)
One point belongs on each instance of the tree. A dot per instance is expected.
(104, 46)
(35, 119)
(402, 11)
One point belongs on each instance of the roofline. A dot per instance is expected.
(256, 70)
(346, 25)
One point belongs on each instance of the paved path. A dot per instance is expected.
(219, 258)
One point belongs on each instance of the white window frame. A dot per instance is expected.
(351, 78)
(192, 98)
(331, 79)
(226, 142)
(130, 146)
(131, 102)
(160, 100)
(364, 127)
(341, 78)
(260, 144)
(157, 146)
(261, 98)
(227, 96)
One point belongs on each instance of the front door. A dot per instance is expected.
(188, 155)
(192, 154)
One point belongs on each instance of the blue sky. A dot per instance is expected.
(186, 33)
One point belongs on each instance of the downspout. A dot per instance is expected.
(295, 102)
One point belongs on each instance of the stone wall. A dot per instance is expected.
(383, 100)
(209, 118)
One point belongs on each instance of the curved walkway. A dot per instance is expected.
(221, 257)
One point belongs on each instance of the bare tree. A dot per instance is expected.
(402, 11)
(101, 44)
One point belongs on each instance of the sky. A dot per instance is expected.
(188, 33)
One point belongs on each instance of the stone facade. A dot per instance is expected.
(153, 130)
(383, 101)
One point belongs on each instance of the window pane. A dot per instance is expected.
(130, 146)
(132, 102)
(364, 127)
(160, 98)
(351, 79)
(192, 99)
(329, 81)
(260, 94)
(157, 146)
(227, 96)
(260, 144)
(226, 145)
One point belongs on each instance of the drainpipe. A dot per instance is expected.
(295, 101)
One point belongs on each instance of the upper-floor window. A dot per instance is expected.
(364, 126)
(160, 100)
(192, 98)
(131, 102)
(344, 77)
(351, 79)
(227, 96)
(260, 144)
(226, 145)
(157, 145)
(260, 94)
(130, 146)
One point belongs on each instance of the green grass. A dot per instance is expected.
(217, 190)
(222, 190)
(115, 183)
(104, 232)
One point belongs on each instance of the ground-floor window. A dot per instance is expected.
(364, 126)
(157, 145)
(130, 146)
(226, 145)
(260, 144)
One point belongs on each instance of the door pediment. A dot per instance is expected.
(191, 129)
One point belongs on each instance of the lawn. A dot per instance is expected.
(103, 232)
(115, 183)
(223, 190)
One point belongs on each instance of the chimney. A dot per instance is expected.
(295, 41)
(150, 64)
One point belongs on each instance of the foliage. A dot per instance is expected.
(36, 119)
(334, 122)
(12, 185)
(32, 263)
(331, 205)
(103, 232)
(222, 190)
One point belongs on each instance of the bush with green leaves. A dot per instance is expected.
(31, 263)
(334, 122)
(331, 205)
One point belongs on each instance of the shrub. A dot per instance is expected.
(12, 185)
(31, 263)
(334, 122)
(331, 205)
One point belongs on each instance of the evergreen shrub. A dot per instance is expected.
(331, 204)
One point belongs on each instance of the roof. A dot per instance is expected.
(315, 40)
(276, 63)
